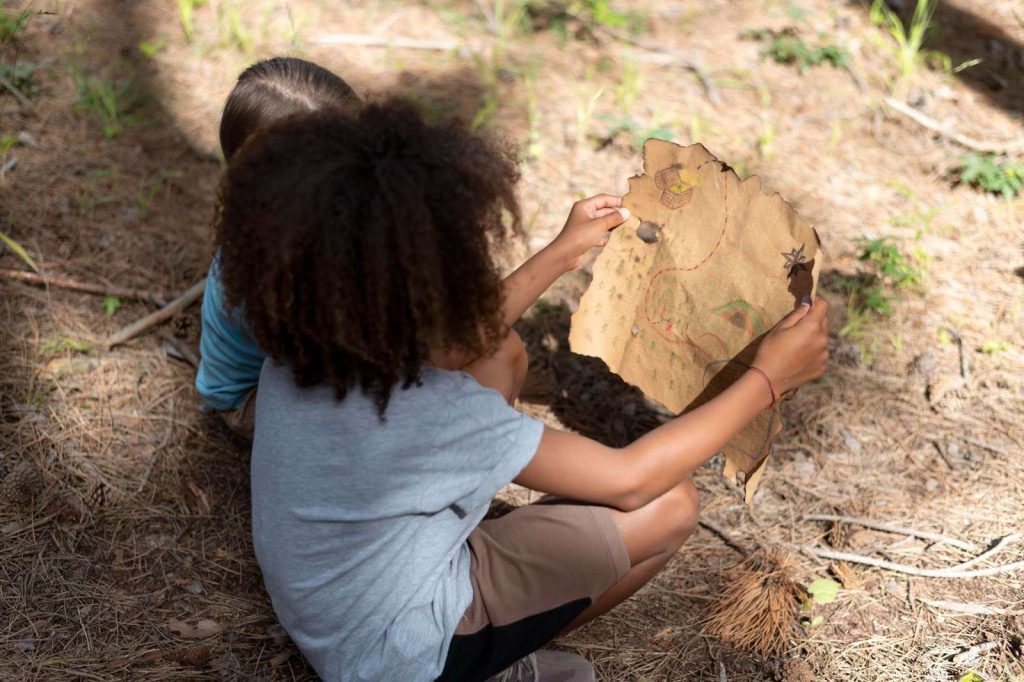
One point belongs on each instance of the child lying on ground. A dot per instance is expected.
(267, 91)
(358, 243)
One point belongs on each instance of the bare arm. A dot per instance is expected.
(577, 467)
(587, 226)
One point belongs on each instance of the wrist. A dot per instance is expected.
(563, 253)
(768, 387)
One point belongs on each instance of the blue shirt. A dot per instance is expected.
(360, 526)
(230, 360)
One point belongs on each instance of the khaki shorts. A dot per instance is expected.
(242, 420)
(533, 571)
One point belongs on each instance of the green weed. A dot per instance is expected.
(580, 18)
(234, 29)
(18, 250)
(637, 132)
(107, 101)
(12, 24)
(909, 38)
(151, 48)
(111, 305)
(92, 196)
(20, 75)
(186, 10)
(64, 343)
(992, 174)
(786, 47)
(995, 346)
(885, 272)
(627, 89)
(585, 111)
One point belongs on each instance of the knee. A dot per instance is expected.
(684, 504)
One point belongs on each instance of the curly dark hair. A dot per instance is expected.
(357, 242)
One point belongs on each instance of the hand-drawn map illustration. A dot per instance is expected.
(687, 287)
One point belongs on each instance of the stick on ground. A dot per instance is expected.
(899, 530)
(51, 280)
(167, 312)
(958, 571)
(984, 146)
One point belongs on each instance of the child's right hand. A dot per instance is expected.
(796, 350)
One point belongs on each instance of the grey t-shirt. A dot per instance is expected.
(360, 526)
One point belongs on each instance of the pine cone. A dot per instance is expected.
(18, 488)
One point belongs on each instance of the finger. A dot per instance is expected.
(613, 219)
(601, 212)
(598, 201)
(796, 315)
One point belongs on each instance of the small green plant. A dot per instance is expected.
(580, 18)
(234, 28)
(64, 343)
(585, 111)
(992, 174)
(111, 305)
(149, 189)
(151, 48)
(12, 24)
(909, 38)
(109, 102)
(786, 47)
(995, 346)
(629, 85)
(885, 271)
(18, 250)
(490, 79)
(20, 75)
(637, 132)
(820, 591)
(186, 10)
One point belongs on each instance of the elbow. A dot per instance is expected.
(634, 490)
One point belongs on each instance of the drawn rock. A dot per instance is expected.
(648, 231)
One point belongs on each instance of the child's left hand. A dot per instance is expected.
(588, 225)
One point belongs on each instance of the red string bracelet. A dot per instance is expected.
(771, 389)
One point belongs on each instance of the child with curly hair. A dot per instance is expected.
(230, 359)
(358, 243)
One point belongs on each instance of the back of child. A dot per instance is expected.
(230, 358)
(358, 245)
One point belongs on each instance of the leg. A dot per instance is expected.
(652, 535)
(504, 370)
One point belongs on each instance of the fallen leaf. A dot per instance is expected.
(202, 629)
(823, 590)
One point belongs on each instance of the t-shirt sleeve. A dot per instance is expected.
(482, 444)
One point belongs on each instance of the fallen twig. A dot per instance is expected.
(984, 146)
(982, 444)
(165, 313)
(182, 348)
(969, 608)
(87, 287)
(730, 542)
(958, 571)
(899, 530)
(975, 652)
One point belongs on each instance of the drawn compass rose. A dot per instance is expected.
(795, 261)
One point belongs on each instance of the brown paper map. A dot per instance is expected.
(687, 287)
